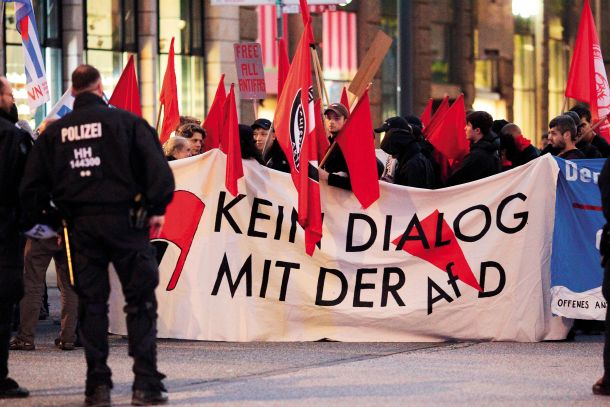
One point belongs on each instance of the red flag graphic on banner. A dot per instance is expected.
(448, 136)
(294, 125)
(427, 114)
(232, 147)
(283, 65)
(213, 123)
(169, 98)
(357, 144)
(126, 94)
(587, 80)
(345, 98)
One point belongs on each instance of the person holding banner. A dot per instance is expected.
(562, 134)
(268, 146)
(335, 170)
(14, 147)
(105, 170)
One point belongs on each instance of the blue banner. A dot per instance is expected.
(576, 273)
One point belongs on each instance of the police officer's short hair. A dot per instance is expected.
(187, 130)
(84, 76)
(564, 123)
(480, 120)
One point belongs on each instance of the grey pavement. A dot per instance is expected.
(328, 373)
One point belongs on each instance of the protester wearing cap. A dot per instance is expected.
(335, 170)
(261, 128)
(271, 153)
(389, 168)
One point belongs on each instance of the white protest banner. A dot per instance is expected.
(250, 72)
(469, 262)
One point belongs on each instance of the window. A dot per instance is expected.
(558, 67)
(486, 71)
(439, 46)
(389, 66)
(183, 20)
(524, 84)
(110, 35)
(48, 18)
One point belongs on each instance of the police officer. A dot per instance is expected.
(14, 147)
(105, 171)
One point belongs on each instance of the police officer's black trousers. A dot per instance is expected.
(97, 240)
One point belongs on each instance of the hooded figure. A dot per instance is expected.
(413, 169)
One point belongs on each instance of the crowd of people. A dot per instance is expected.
(97, 196)
(495, 146)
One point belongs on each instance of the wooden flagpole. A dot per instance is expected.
(565, 104)
(159, 118)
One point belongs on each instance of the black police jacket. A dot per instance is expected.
(97, 156)
(482, 161)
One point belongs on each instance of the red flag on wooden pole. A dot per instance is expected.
(169, 98)
(232, 147)
(126, 94)
(213, 122)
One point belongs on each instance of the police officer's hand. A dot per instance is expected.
(156, 224)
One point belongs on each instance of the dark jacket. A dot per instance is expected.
(334, 164)
(276, 159)
(588, 149)
(14, 147)
(97, 156)
(574, 154)
(482, 161)
(413, 168)
(602, 145)
(515, 154)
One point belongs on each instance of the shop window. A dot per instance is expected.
(524, 84)
(439, 46)
(183, 20)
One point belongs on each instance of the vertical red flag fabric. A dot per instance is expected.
(294, 125)
(126, 94)
(283, 65)
(306, 20)
(357, 144)
(587, 80)
(213, 123)
(427, 114)
(321, 138)
(169, 98)
(344, 98)
(232, 148)
(449, 137)
(438, 115)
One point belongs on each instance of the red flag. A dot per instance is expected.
(358, 147)
(345, 98)
(169, 98)
(232, 146)
(321, 138)
(307, 20)
(215, 118)
(449, 137)
(427, 114)
(126, 94)
(587, 80)
(294, 124)
(437, 117)
(283, 66)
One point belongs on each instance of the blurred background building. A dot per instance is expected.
(509, 57)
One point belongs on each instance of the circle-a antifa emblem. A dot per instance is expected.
(297, 128)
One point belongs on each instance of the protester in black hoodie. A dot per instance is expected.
(518, 149)
(413, 169)
(483, 159)
(587, 133)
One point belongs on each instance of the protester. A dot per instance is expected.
(426, 148)
(484, 157)
(38, 255)
(188, 120)
(113, 201)
(195, 135)
(246, 143)
(395, 122)
(413, 169)
(588, 149)
(518, 149)
(588, 134)
(268, 147)
(562, 135)
(335, 170)
(14, 147)
(177, 147)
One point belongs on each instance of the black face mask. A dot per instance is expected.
(12, 116)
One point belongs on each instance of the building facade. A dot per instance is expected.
(509, 57)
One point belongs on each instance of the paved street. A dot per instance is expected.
(329, 373)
